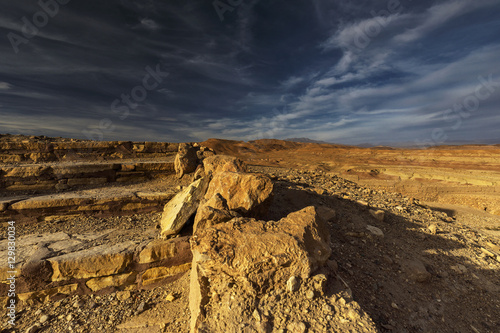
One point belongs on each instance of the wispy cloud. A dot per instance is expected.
(438, 15)
(150, 24)
(292, 81)
(4, 86)
(354, 35)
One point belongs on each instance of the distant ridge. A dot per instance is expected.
(306, 140)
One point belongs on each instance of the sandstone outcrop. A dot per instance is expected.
(224, 192)
(61, 263)
(221, 163)
(236, 263)
(40, 149)
(189, 157)
(62, 177)
(246, 193)
(204, 152)
(211, 212)
(178, 210)
(186, 159)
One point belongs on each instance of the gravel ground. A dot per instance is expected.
(460, 291)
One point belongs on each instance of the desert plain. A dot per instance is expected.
(409, 239)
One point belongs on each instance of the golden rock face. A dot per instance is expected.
(178, 210)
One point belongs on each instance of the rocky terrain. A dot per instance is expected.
(459, 175)
(361, 258)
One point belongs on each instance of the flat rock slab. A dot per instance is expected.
(156, 274)
(178, 210)
(28, 240)
(64, 245)
(159, 249)
(155, 196)
(26, 171)
(106, 200)
(5, 203)
(84, 168)
(28, 248)
(50, 201)
(97, 284)
(94, 262)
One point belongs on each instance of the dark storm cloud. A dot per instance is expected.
(350, 72)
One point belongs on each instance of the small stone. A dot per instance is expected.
(375, 231)
(352, 315)
(388, 327)
(319, 282)
(493, 247)
(394, 305)
(33, 329)
(292, 284)
(327, 308)
(378, 214)
(460, 269)
(69, 317)
(78, 304)
(416, 270)
(320, 191)
(362, 203)
(123, 295)
(296, 327)
(43, 319)
(310, 294)
(432, 229)
(170, 298)
(256, 315)
(141, 306)
(388, 260)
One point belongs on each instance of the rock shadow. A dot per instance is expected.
(458, 291)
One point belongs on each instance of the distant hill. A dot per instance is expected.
(306, 140)
(365, 145)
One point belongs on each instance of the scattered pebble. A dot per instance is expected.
(43, 319)
(292, 284)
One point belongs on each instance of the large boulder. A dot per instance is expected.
(204, 153)
(190, 157)
(186, 159)
(246, 193)
(235, 264)
(221, 163)
(178, 210)
(211, 212)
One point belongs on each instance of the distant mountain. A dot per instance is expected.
(306, 140)
(365, 145)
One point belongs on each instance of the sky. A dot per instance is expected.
(353, 72)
